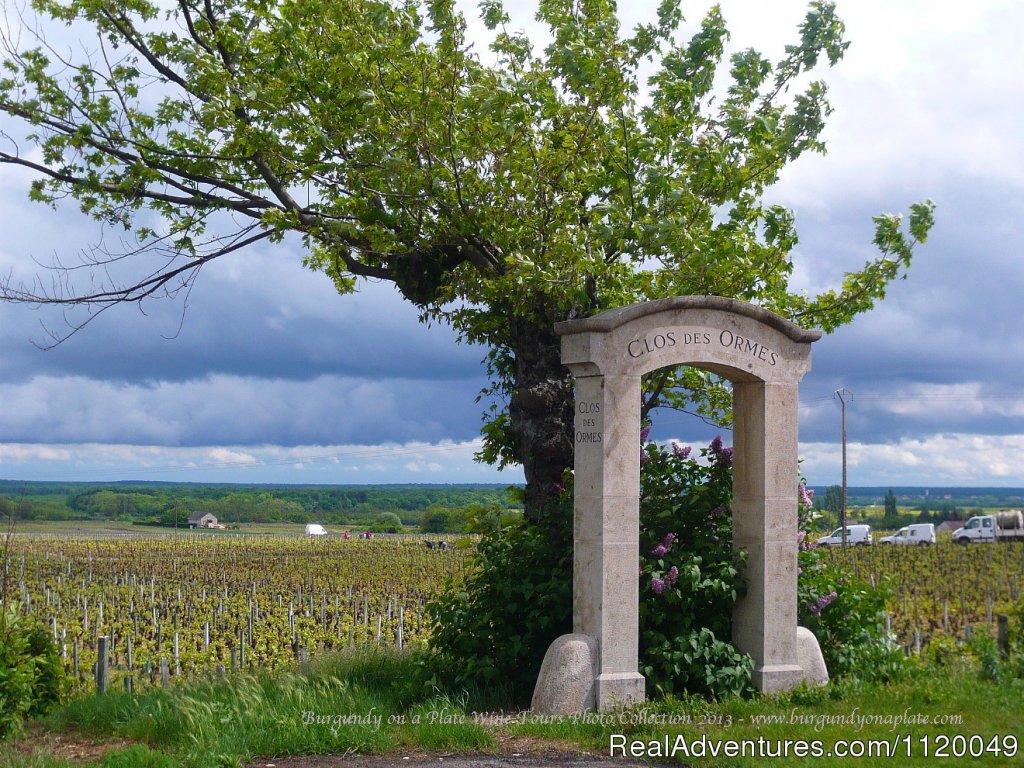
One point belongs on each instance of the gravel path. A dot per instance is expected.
(514, 752)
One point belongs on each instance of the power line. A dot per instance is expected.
(913, 397)
(843, 394)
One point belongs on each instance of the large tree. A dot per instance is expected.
(500, 191)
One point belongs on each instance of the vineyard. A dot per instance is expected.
(184, 604)
(944, 588)
(172, 605)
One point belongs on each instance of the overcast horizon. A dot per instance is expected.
(267, 376)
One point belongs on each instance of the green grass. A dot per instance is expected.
(341, 703)
(849, 712)
(372, 702)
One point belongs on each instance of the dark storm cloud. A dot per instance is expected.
(272, 318)
(228, 410)
(261, 351)
(944, 351)
(268, 353)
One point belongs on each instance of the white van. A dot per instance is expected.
(315, 529)
(918, 533)
(855, 535)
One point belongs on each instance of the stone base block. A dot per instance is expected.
(776, 678)
(808, 654)
(566, 684)
(619, 689)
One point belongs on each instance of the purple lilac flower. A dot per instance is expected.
(644, 434)
(822, 602)
(657, 585)
(665, 547)
(717, 511)
(682, 451)
(805, 495)
(671, 576)
(721, 454)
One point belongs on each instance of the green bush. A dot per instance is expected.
(387, 522)
(496, 627)
(493, 630)
(690, 576)
(438, 519)
(990, 661)
(847, 616)
(31, 673)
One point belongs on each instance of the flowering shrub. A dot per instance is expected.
(846, 614)
(494, 629)
(690, 576)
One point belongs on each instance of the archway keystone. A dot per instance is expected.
(765, 357)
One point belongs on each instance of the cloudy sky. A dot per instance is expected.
(266, 375)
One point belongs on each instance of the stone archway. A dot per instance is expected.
(765, 357)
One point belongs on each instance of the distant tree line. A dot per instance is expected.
(171, 505)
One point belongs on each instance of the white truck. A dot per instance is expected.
(1007, 525)
(916, 534)
(856, 535)
(315, 529)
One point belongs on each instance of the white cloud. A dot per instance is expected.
(348, 463)
(225, 456)
(939, 460)
(225, 408)
(21, 454)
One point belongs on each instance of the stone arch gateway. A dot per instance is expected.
(765, 357)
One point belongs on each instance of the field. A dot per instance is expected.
(209, 600)
(199, 601)
(203, 601)
(942, 588)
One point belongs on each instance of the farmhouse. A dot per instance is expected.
(948, 526)
(202, 520)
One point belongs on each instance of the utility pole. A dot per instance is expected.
(842, 393)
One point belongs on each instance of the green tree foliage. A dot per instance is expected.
(388, 522)
(437, 519)
(890, 505)
(499, 192)
(162, 503)
(31, 671)
(834, 499)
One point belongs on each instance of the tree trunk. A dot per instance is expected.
(540, 411)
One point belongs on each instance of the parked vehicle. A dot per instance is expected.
(1007, 525)
(315, 529)
(859, 535)
(918, 533)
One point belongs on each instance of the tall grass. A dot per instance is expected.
(341, 703)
